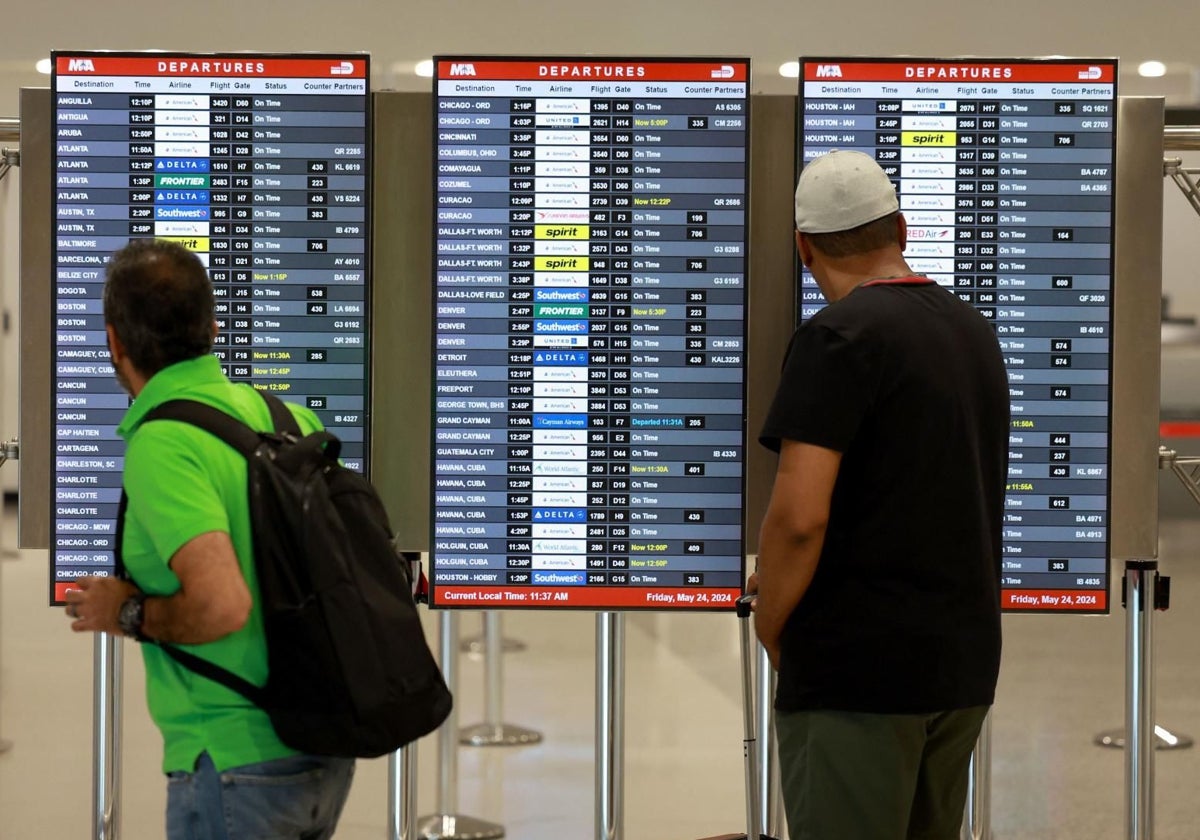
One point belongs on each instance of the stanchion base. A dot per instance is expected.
(497, 735)
(1164, 739)
(457, 827)
(475, 646)
(5, 745)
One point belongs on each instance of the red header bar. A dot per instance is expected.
(1054, 600)
(211, 66)
(1075, 73)
(564, 70)
(586, 597)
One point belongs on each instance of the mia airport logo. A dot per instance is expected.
(80, 65)
(462, 69)
(829, 71)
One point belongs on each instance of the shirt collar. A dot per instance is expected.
(166, 384)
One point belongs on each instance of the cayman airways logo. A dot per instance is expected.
(462, 69)
(829, 71)
(80, 65)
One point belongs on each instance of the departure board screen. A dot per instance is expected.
(259, 164)
(589, 333)
(1005, 174)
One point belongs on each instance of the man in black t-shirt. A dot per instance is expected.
(878, 572)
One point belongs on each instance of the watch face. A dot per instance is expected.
(129, 619)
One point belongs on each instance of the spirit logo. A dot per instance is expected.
(829, 71)
(462, 69)
(80, 65)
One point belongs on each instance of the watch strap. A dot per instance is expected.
(132, 615)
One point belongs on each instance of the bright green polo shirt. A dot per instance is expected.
(183, 482)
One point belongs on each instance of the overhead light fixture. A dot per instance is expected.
(43, 66)
(1152, 69)
(790, 69)
(424, 68)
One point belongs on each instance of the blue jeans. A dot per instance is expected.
(295, 798)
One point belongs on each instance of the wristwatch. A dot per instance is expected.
(131, 616)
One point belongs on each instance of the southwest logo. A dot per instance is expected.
(80, 65)
(829, 71)
(462, 69)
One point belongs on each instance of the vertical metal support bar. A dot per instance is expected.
(610, 726)
(447, 792)
(755, 804)
(1140, 578)
(1136, 335)
(977, 819)
(36, 339)
(402, 793)
(770, 796)
(106, 737)
(493, 673)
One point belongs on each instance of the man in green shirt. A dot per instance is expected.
(188, 551)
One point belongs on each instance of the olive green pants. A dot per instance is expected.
(860, 776)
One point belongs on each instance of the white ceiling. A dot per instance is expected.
(399, 33)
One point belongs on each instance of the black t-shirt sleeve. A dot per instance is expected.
(824, 391)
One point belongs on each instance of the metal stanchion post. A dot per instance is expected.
(493, 732)
(402, 793)
(476, 645)
(977, 819)
(106, 737)
(1187, 469)
(1141, 598)
(446, 824)
(610, 726)
(10, 450)
(755, 804)
(770, 795)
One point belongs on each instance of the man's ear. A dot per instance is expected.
(804, 249)
(115, 348)
(902, 230)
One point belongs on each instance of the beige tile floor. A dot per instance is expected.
(1062, 682)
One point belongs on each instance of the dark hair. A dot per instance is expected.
(159, 301)
(860, 240)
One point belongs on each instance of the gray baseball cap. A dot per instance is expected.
(842, 190)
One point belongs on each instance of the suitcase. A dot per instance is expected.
(754, 831)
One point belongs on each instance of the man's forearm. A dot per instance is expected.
(180, 619)
(786, 565)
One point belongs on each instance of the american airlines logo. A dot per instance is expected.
(829, 71)
(462, 69)
(80, 65)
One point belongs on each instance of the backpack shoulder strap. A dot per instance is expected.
(216, 673)
(281, 416)
(212, 420)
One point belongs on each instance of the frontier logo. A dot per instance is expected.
(462, 69)
(829, 71)
(80, 65)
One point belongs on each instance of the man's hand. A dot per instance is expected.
(96, 603)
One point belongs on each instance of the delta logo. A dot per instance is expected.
(829, 71)
(462, 69)
(80, 65)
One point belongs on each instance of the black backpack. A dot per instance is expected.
(350, 673)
